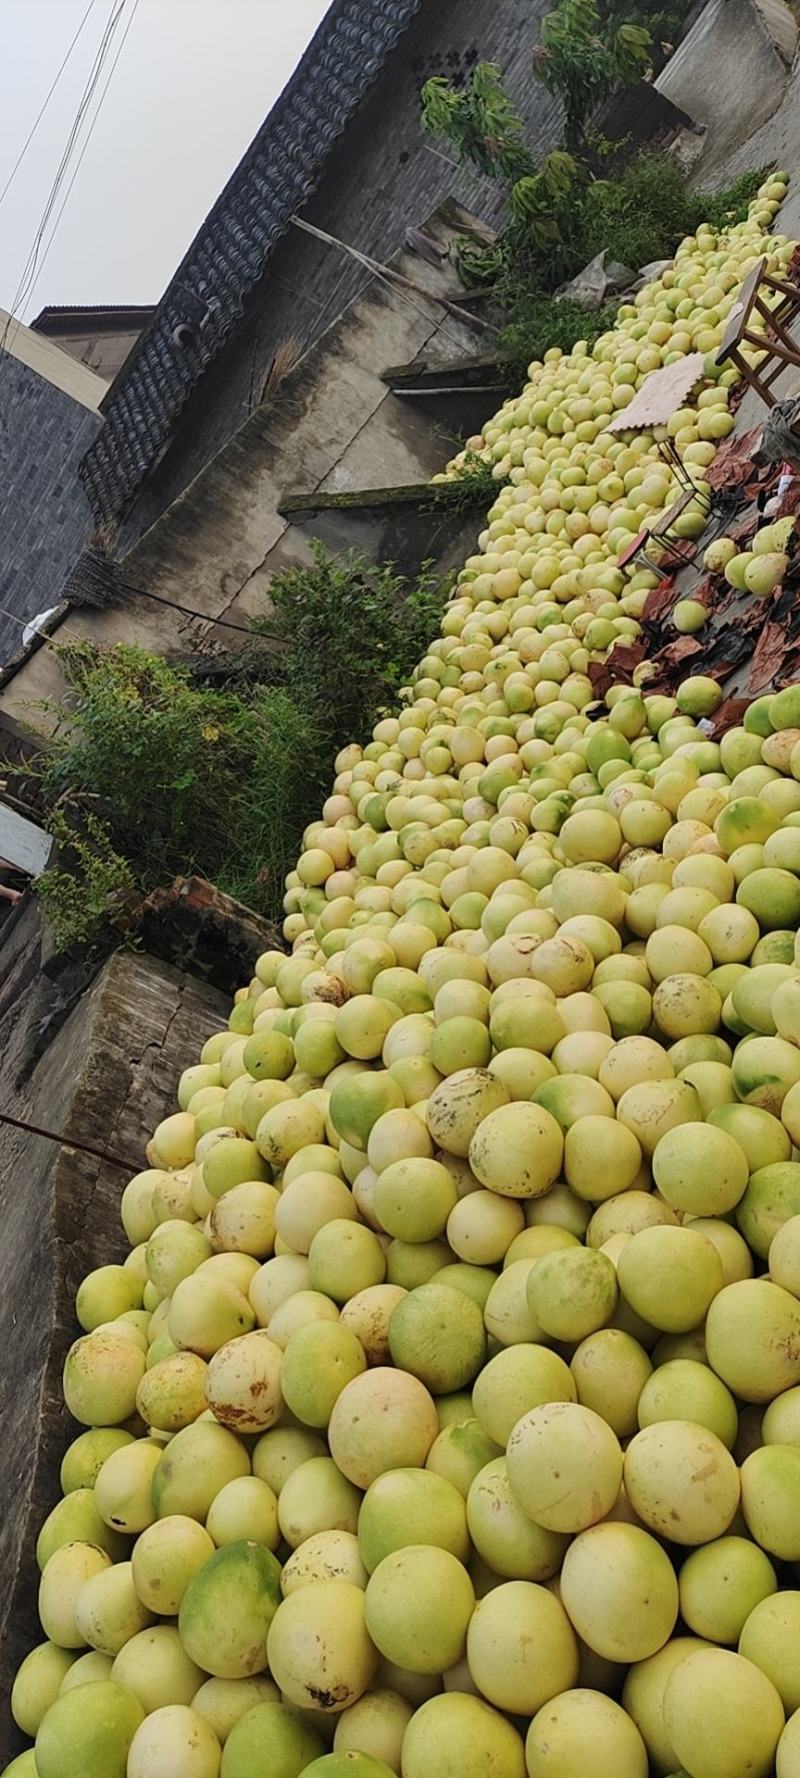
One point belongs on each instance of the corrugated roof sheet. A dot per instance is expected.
(206, 297)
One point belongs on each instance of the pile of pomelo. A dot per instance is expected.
(444, 1418)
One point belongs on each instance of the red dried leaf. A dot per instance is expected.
(769, 657)
(729, 715)
(733, 463)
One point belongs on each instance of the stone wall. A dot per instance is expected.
(102, 1072)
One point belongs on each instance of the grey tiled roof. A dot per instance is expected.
(280, 170)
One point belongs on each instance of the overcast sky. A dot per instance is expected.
(194, 81)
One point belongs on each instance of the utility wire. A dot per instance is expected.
(81, 157)
(31, 264)
(26, 144)
(29, 270)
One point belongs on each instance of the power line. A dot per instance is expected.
(26, 144)
(81, 157)
(29, 271)
(31, 264)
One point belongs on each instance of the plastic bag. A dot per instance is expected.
(591, 288)
(780, 439)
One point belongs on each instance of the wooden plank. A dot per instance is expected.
(23, 844)
(740, 313)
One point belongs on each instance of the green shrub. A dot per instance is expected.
(639, 216)
(348, 634)
(539, 322)
(91, 888)
(561, 214)
(156, 772)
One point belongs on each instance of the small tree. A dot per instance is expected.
(580, 62)
(480, 122)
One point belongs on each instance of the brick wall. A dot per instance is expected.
(44, 516)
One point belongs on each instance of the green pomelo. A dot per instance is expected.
(197, 1462)
(610, 1371)
(620, 1591)
(85, 1457)
(770, 1482)
(165, 1558)
(102, 1373)
(171, 1395)
(450, 1734)
(564, 1466)
(419, 1602)
(508, 1540)
(205, 1313)
(87, 1733)
(720, 1585)
(245, 1509)
(358, 1102)
(770, 1638)
(60, 1588)
(108, 1610)
(514, 1381)
(77, 1519)
(771, 1199)
(319, 1650)
(319, 1360)
(506, 1624)
(682, 1389)
(223, 1702)
(269, 1741)
(572, 1292)
(437, 1335)
(411, 1506)
(669, 1276)
(327, 1555)
(413, 1199)
(753, 1339)
(722, 1715)
(174, 1739)
(583, 1731)
(760, 1134)
(227, 1609)
(681, 1481)
(701, 1171)
(316, 1497)
(282, 1450)
(155, 1666)
(460, 1452)
(37, 1684)
(457, 1107)
(375, 1725)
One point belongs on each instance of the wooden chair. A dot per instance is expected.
(776, 343)
(679, 551)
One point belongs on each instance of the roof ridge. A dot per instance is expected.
(94, 309)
